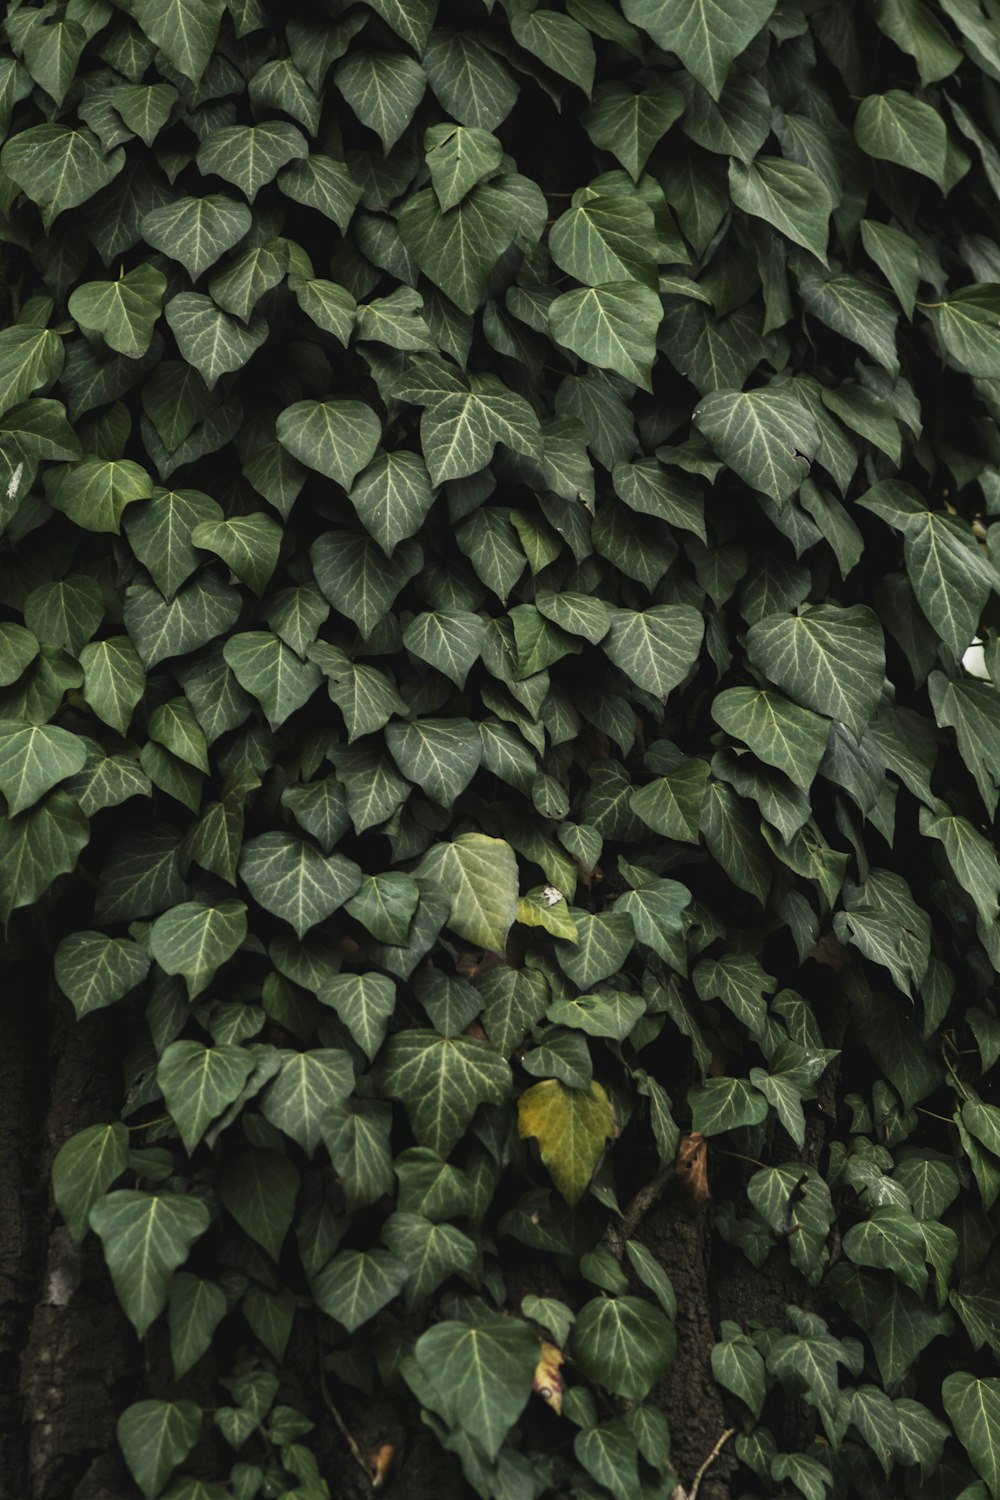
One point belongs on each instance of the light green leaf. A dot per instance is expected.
(156, 1436)
(479, 876)
(289, 877)
(442, 1081)
(831, 659)
(199, 1082)
(33, 759)
(612, 326)
(145, 1239)
(897, 127)
(124, 311)
(630, 125)
(457, 249)
(85, 1167)
(787, 196)
(777, 731)
(195, 940)
(623, 1343)
(197, 231)
(94, 970)
(356, 1284)
(482, 1373)
(249, 156)
(656, 647)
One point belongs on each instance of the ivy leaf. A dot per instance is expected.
(197, 231)
(890, 1239)
(364, 1002)
(195, 940)
(198, 1084)
(623, 1343)
(383, 89)
(356, 1134)
(786, 195)
(572, 1128)
(605, 239)
(460, 430)
(431, 1253)
(612, 326)
(290, 878)
(392, 496)
(156, 1436)
(85, 1167)
(259, 1189)
(33, 759)
(194, 1311)
(458, 248)
(449, 640)
(94, 970)
(208, 338)
(113, 680)
(356, 1284)
(59, 166)
(250, 156)
(629, 124)
(479, 876)
(440, 755)
(459, 156)
(358, 579)
(483, 1372)
(184, 30)
(272, 672)
(249, 545)
(160, 534)
(721, 1104)
(146, 1238)
(738, 1366)
(95, 493)
(830, 659)
(655, 647)
(442, 1081)
(295, 1102)
(896, 127)
(37, 847)
(777, 731)
(124, 311)
(766, 436)
(973, 1407)
(966, 324)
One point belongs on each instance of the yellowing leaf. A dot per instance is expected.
(572, 1127)
(546, 907)
(548, 1381)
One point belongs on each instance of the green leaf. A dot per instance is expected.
(656, 647)
(195, 940)
(59, 167)
(356, 1284)
(458, 248)
(156, 1436)
(441, 756)
(830, 659)
(605, 239)
(671, 805)
(199, 1083)
(145, 107)
(33, 759)
(971, 857)
(479, 876)
(358, 579)
(431, 1253)
(113, 680)
(383, 89)
(766, 436)
(572, 1128)
(184, 30)
(385, 905)
(197, 231)
(623, 1343)
(323, 184)
(85, 1167)
(337, 438)
(209, 339)
(160, 531)
(630, 125)
(95, 493)
(738, 1366)
(898, 128)
(449, 640)
(896, 255)
(777, 731)
(356, 1134)
(973, 1407)
(855, 308)
(124, 311)
(145, 1239)
(658, 912)
(364, 1002)
(194, 1311)
(259, 1189)
(471, 84)
(706, 37)
(250, 156)
(442, 1081)
(966, 324)
(610, 1454)
(482, 1372)
(459, 431)
(272, 673)
(972, 709)
(297, 1099)
(392, 497)
(721, 1104)
(239, 287)
(890, 1239)
(612, 326)
(787, 196)
(458, 157)
(249, 545)
(94, 970)
(290, 878)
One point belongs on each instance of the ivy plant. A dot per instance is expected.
(498, 692)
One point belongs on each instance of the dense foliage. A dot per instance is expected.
(496, 498)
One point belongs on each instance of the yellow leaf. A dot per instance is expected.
(548, 1381)
(546, 907)
(571, 1127)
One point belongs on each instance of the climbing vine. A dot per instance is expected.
(497, 691)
